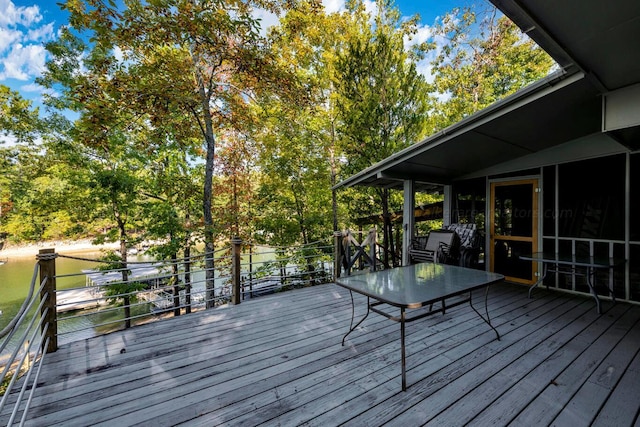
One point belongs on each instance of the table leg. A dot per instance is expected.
(590, 273)
(353, 313)
(402, 350)
(486, 309)
(544, 274)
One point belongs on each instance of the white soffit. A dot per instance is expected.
(621, 108)
(593, 146)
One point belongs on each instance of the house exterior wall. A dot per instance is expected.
(590, 195)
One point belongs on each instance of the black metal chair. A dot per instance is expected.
(469, 243)
(440, 246)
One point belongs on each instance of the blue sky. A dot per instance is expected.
(25, 25)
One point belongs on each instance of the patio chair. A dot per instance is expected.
(440, 246)
(469, 243)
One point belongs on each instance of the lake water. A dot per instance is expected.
(17, 273)
(15, 280)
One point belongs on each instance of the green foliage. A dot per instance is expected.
(117, 292)
(17, 118)
(192, 126)
(486, 59)
(381, 99)
(123, 292)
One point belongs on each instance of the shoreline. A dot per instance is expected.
(31, 250)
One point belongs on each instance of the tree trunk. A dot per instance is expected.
(334, 178)
(209, 235)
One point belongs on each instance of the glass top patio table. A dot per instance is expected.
(572, 259)
(418, 285)
(590, 263)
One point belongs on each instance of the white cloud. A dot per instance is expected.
(10, 15)
(31, 87)
(425, 68)
(42, 33)
(22, 38)
(8, 37)
(423, 34)
(370, 6)
(7, 139)
(331, 6)
(23, 62)
(118, 53)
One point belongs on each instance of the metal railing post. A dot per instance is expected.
(236, 248)
(47, 260)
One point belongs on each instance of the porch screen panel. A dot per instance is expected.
(591, 198)
(635, 198)
(469, 206)
(548, 211)
(634, 271)
(469, 202)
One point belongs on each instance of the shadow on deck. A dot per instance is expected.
(277, 360)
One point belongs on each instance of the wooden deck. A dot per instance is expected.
(277, 360)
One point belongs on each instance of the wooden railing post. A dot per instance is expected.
(236, 249)
(346, 252)
(337, 254)
(372, 248)
(47, 260)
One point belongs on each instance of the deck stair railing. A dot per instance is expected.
(350, 253)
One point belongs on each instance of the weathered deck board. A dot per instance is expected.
(278, 360)
(556, 396)
(623, 403)
(452, 378)
(528, 375)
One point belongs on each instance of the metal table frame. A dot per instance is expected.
(413, 287)
(591, 263)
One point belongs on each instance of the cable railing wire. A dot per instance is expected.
(166, 290)
(29, 338)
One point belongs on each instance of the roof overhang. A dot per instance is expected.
(599, 37)
(596, 46)
(564, 107)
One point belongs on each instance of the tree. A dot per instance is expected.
(194, 56)
(297, 142)
(20, 125)
(17, 117)
(171, 203)
(485, 59)
(381, 98)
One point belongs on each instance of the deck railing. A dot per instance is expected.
(29, 330)
(152, 291)
(357, 251)
(155, 290)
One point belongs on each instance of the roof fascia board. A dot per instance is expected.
(543, 87)
(533, 28)
(537, 31)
